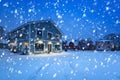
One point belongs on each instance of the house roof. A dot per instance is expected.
(33, 22)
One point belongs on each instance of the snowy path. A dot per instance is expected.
(78, 65)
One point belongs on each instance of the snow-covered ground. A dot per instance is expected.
(71, 65)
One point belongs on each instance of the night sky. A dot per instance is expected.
(76, 18)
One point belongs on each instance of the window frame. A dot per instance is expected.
(57, 49)
(39, 50)
(37, 34)
(50, 33)
(58, 36)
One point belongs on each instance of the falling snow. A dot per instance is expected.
(0, 20)
(78, 20)
(6, 5)
(73, 14)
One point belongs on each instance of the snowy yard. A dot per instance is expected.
(71, 65)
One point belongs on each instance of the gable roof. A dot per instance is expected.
(34, 22)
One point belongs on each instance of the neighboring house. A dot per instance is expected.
(109, 42)
(71, 45)
(86, 44)
(1, 33)
(105, 45)
(36, 37)
(3, 42)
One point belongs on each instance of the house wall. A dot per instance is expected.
(19, 37)
(106, 45)
(28, 33)
(45, 27)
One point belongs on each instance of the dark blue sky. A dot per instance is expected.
(76, 18)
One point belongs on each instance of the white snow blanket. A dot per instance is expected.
(71, 65)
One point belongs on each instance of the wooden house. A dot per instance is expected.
(36, 37)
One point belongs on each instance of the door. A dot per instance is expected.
(49, 48)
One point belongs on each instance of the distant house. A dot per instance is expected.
(109, 42)
(3, 42)
(86, 44)
(1, 33)
(36, 37)
(105, 45)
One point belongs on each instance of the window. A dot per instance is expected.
(49, 35)
(25, 43)
(57, 47)
(39, 47)
(39, 33)
(57, 36)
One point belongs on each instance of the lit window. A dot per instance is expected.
(57, 47)
(39, 33)
(49, 35)
(25, 43)
(39, 47)
(58, 36)
(12, 44)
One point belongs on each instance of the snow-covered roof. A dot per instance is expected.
(33, 22)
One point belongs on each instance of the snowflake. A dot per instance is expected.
(0, 20)
(29, 10)
(20, 59)
(41, 74)
(61, 21)
(95, 2)
(3, 53)
(77, 57)
(117, 22)
(46, 65)
(55, 59)
(94, 31)
(6, 5)
(43, 29)
(71, 71)
(58, 63)
(84, 79)
(107, 3)
(21, 17)
(95, 66)
(46, 4)
(78, 20)
(76, 65)
(87, 69)
(65, 37)
(114, 10)
(73, 40)
(16, 11)
(21, 35)
(18, 3)
(107, 8)
(19, 72)
(58, 16)
(54, 75)
(88, 44)
(84, 15)
(108, 60)
(114, 61)
(11, 69)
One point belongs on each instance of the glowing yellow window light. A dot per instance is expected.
(12, 44)
(49, 42)
(58, 43)
(25, 43)
(40, 41)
